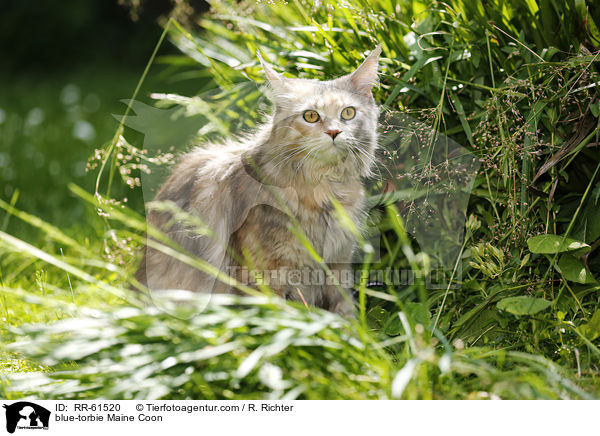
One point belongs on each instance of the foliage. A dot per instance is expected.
(515, 82)
(48, 130)
(249, 347)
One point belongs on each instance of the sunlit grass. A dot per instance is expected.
(520, 96)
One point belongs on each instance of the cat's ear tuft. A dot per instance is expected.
(365, 77)
(275, 79)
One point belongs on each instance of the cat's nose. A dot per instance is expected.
(332, 133)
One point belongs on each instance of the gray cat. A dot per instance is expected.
(258, 193)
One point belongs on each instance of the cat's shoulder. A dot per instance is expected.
(213, 159)
(217, 152)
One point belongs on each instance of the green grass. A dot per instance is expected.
(50, 127)
(525, 321)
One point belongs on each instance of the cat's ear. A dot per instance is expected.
(364, 77)
(276, 80)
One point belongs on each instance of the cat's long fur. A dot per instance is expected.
(242, 190)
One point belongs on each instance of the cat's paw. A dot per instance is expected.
(345, 309)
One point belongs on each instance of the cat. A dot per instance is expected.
(318, 145)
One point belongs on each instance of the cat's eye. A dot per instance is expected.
(348, 113)
(311, 116)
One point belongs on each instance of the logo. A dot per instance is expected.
(26, 415)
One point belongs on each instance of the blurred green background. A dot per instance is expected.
(65, 68)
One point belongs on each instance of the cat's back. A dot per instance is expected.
(213, 161)
(199, 172)
(203, 183)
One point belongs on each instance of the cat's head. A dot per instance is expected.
(330, 124)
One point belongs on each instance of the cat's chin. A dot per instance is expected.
(337, 168)
(331, 157)
(332, 152)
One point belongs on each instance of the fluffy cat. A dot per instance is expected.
(318, 145)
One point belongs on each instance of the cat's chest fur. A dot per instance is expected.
(317, 215)
(268, 238)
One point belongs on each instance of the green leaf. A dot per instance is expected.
(552, 244)
(417, 313)
(462, 117)
(591, 330)
(488, 321)
(587, 224)
(574, 270)
(394, 327)
(523, 305)
(595, 108)
(377, 317)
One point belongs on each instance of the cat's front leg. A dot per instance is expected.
(344, 307)
(338, 290)
(338, 293)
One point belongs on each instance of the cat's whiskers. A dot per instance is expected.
(301, 163)
(291, 153)
(365, 159)
(360, 158)
(357, 148)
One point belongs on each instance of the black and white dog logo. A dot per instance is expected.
(26, 415)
